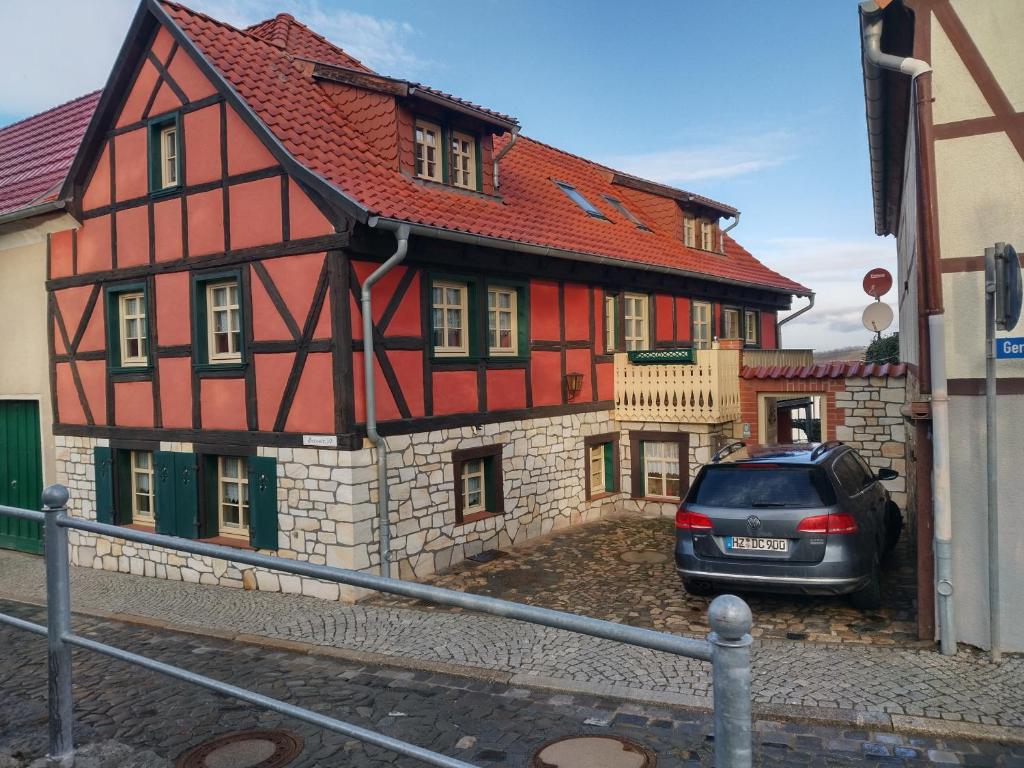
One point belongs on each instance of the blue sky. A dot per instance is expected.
(757, 104)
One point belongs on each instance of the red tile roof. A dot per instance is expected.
(302, 42)
(531, 209)
(852, 370)
(35, 153)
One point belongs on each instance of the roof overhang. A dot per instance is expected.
(680, 195)
(409, 90)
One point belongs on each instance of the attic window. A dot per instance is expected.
(580, 200)
(618, 206)
(428, 151)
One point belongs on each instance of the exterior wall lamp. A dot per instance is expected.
(573, 384)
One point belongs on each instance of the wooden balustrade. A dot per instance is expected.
(706, 391)
(783, 358)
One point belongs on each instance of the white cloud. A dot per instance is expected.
(54, 52)
(382, 44)
(724, 160)
(834, 268)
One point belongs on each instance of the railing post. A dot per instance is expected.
(58, 624)
(730, 621)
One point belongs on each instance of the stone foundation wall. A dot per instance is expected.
(327, 500)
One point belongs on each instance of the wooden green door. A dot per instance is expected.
(21, 473)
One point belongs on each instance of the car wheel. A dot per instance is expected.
(869, 597)
(893, 527)
(698, 588)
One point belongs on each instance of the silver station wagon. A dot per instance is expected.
(811, 519)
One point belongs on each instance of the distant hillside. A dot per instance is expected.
(838, 355)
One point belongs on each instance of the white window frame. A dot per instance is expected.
(240, 529)
(631, 320)
(169, 156)
(474, 468)
(750, 323)
(463, 160)
(702, 340)
(735, 314)
(445, 349)
(234, 313)
(141, 359)
(707, 235)
(421, 151)
(493, 314)
(689, 231)
(598, 480)
(610, 303)
(656, 455)
(137, 472)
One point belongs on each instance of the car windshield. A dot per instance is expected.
(759, 485)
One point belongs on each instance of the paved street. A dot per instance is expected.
(486, 723)
(621, 569)
(881, 685)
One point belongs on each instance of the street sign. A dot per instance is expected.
(877, 282)
(1010, 348)
(1008, 287)
(877, 317)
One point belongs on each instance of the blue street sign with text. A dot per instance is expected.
(1010, 348)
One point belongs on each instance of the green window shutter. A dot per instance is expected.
(523, 321)
(200, 353)
(609, 467)
(104, 461)
(123, 487)
(473, 325)
(186, 496)
(263, 502)
(211, 500)
(489, 490)
(165, 491)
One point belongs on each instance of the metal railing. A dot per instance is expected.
(781, 358)
(727, 646)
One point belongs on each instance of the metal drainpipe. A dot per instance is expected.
(401, 248)
(727, 230)
(501, 154)
(794, 316)
(935, 338)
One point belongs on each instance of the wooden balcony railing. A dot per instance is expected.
(782, 358)
(706, 391)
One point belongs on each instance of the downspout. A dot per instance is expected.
(932, 352)
(727, 230)
(794, 316)
(501, 154)
(401, 248)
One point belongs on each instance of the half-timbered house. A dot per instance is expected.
(529, 315)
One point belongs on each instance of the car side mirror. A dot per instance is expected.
(887, 474)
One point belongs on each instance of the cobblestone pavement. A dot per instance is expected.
(485, 723)
(622, 570)
(843, 677)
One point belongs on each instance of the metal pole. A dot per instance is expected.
(58, 624)
(991, 457)
(730, 621)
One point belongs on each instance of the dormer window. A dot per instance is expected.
(574, 195)
(428, 151)
(707, 235)
(618, 206)
(463, 160)
(689, 232)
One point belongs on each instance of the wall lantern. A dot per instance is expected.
(573, 384)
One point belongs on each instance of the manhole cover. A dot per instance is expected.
(644, 556)
(247, 749)
(592, 751)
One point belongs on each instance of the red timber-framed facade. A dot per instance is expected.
(235, 191)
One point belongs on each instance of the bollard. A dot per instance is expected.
(58, 624)
(730, 621)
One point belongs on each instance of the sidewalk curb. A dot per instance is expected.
(859, 719)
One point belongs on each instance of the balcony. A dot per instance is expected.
(704, 391)
(778, 358)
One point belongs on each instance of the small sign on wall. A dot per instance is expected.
(1010, 348)
(320, 441)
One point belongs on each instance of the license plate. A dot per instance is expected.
(753, 544)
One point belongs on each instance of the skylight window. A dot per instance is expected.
(580, 200)
(618, 206)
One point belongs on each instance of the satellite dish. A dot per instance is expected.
(877, 317)
(877, 282)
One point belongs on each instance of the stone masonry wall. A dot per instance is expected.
(873, 424)
(327, 502)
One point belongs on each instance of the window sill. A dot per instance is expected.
(141, 527)
(229, 541)
(660, 499)
(165, 191)
(602, 495)
(207, 367)
(476, 517)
